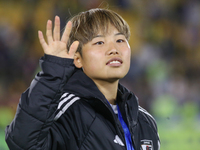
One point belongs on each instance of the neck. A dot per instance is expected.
(108, 89)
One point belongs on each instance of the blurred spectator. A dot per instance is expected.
(165, 43)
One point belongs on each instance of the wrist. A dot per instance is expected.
(58, 60)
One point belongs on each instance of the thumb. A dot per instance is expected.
(73, 48)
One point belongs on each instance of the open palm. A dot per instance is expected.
(55, 45)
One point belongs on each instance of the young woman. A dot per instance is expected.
(76, 101)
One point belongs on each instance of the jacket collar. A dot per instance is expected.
(128, 104)
(81, 85)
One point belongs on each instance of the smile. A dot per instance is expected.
(114, 62)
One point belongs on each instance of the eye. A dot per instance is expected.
(99, 43)
(120, 40)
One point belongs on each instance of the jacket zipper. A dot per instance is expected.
(129, 126)
(117, 124)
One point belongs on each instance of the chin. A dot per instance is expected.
(115, 78)
(119, 74)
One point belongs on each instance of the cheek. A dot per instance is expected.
(127, 58)
(90, 61)
(127, 54)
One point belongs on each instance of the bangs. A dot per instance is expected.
(99, 21)
(88, 24)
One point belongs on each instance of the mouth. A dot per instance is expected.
(115, 62)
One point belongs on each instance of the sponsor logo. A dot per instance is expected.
(146, 145)
(118, 140)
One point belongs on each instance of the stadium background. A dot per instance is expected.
(165, 66)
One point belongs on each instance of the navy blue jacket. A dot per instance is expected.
(64, 110)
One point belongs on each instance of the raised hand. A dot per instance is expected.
(54, 45)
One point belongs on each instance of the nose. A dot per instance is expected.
(112, 50)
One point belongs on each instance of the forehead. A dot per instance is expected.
(108, 30)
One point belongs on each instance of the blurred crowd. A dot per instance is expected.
(165, 42)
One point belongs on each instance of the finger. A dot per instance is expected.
(73, 48)
(67, 31)
(56, 31)
(42, 41)
(49, 31)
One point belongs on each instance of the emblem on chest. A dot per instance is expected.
(146, 145)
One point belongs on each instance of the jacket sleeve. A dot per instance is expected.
(37, 106)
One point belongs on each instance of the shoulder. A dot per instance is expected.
(147, 117)
(70, 103)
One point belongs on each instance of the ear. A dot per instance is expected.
(78, 60)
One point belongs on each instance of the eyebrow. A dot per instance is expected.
(104, 35)
(119, 34)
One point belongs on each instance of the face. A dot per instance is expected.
(106, 57)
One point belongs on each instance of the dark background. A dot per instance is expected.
(165, 67)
